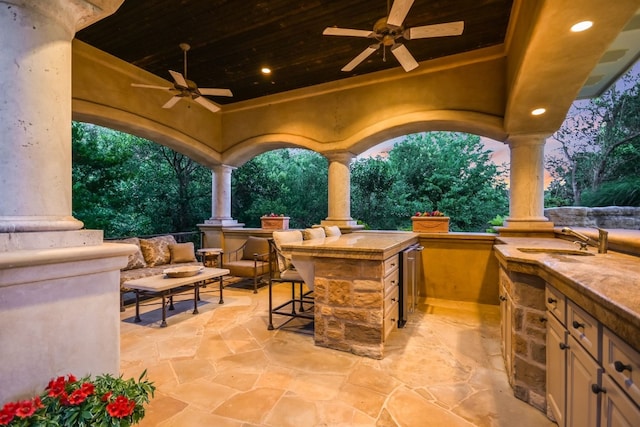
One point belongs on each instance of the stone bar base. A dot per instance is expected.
(349, 298)
(525, 357)
(58, 308)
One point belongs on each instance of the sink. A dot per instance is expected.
(556, 251)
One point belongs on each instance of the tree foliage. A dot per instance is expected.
(446, 171)
(127, 185)
(287, 181)
(599, 154)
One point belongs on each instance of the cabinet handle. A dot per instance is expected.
(502, 298)
(595, 389)
(393, 300)
(563, 346)
(621, 367)
(543, 319)
(577, 325)
(552, 300)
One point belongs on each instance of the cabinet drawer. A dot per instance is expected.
(391, 281)
(622, 363)
(584, 328)
(556, 303)
(391, 264)
(391, 299)
(391, 319)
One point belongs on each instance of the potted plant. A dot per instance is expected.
(274, 222)
(103, 401)
(430, 222)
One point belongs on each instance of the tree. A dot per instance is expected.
(446, 171)
(600, 143)
(126, 185)
(286, 181)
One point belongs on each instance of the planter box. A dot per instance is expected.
(275, 222)
(430, 224)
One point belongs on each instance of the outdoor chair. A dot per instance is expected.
(251, 260)
(285, 272)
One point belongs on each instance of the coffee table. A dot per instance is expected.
(163, 286)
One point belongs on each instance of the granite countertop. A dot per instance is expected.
(358, 245)
(605, 285)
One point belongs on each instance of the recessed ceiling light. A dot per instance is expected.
(581, 26)
(265, 70)
(538, 111)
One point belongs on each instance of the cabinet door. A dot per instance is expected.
(617, 408)
(582, 373)
(556, 368)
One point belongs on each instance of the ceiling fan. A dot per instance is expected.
(387, 31)
(183, 88)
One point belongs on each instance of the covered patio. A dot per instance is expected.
(59, 282)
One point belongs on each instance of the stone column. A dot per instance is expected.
(339, 182)
(212, 235)
(59, 285)
(526, 188)
(35, 110)
(221, 196)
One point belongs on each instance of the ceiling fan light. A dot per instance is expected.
(581, 26)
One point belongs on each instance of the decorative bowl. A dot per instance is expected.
(186, 271)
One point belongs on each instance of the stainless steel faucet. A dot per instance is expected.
(602, 244)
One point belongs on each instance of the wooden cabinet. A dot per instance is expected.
(591, 373)
(391, 293)
(556, 369)
(506, 308)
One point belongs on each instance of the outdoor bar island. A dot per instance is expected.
(356, 281)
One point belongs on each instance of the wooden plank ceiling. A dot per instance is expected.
(231, 40)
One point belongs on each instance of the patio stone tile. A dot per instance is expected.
(223, 367)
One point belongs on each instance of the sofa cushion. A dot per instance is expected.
(182, 252)
(156, 250)
(313, 233)
(135, 260)
(256, 245)
(247, 268)
(139, 273)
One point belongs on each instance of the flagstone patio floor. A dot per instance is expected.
(222, 367)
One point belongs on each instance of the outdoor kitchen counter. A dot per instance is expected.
(372, 245)
(356, 284)
(605, 285)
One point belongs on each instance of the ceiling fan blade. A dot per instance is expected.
(437, 30)
(404, 57)
(207, 104)
(179, 79)
(171, 102)
(151, 86)
(363, 55)
(398, 12)
(215, 92)
(333, 31)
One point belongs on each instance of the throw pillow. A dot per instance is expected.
(135, 260)
(182, 252)
(281, 237)
(156, 250)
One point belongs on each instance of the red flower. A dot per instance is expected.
(72, 378)
(7, 413)
(25, 409)
(106, 396)
(121, 407)
(56, 387)
(88, 388)
(77, 397)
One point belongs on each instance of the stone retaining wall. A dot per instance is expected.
(626, 217)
